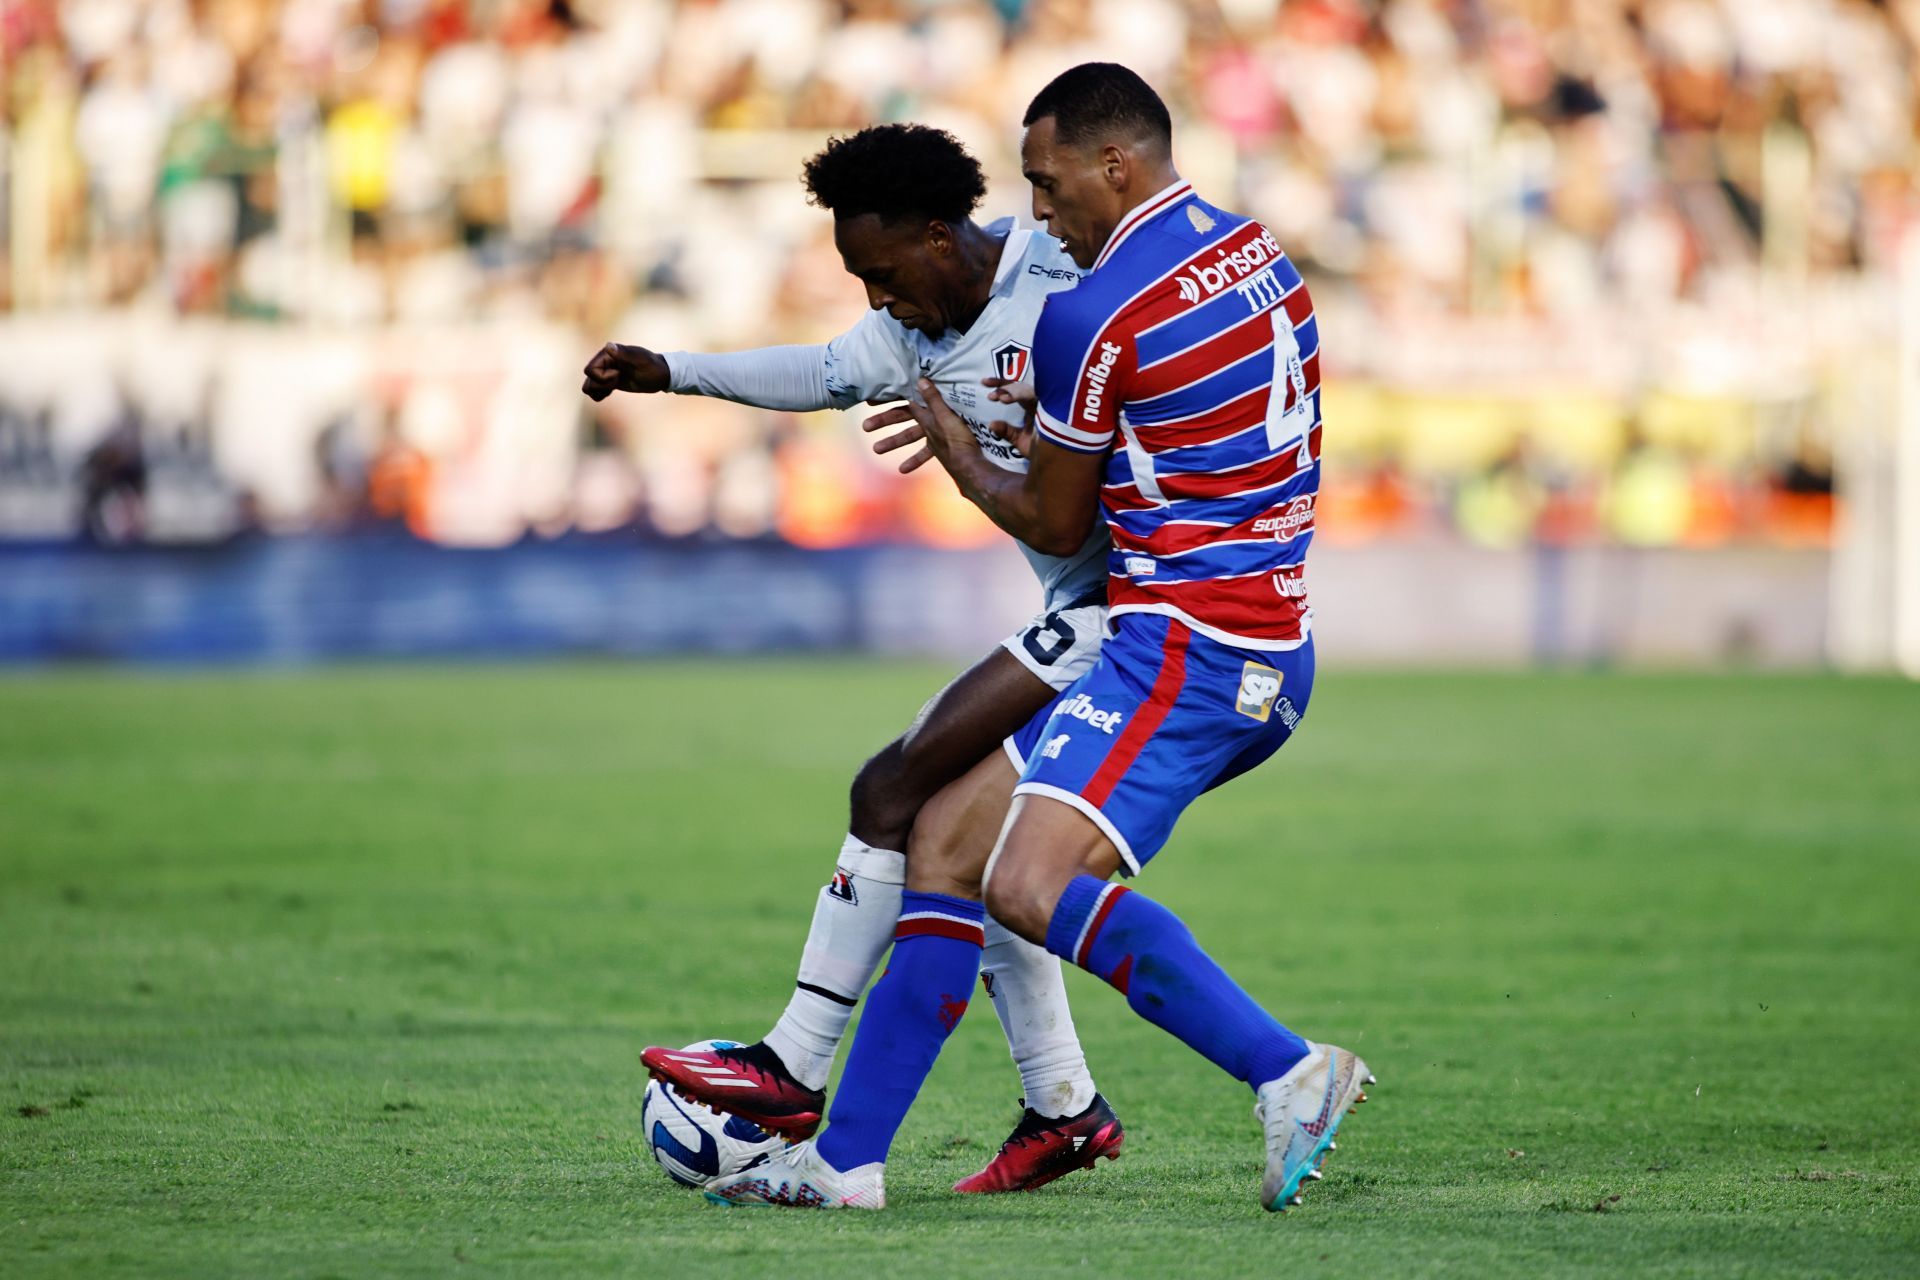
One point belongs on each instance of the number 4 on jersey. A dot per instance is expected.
(1289, 411)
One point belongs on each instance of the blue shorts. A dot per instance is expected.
(1166, 714)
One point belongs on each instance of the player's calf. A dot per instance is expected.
(912, 1011)
(884, 799)
(953, 837)
(853, 923)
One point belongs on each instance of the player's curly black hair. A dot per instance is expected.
(896, 171)
(1101, 99)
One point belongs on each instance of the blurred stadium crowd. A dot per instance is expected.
(1592, 266)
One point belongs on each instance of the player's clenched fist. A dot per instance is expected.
(617, 367)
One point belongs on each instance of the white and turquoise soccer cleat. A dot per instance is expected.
(1300, 1113)
(798, 1178)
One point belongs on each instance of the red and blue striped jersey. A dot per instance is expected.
(1191, 356)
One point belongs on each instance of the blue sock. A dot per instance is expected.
(912, 1009)
(1141, 949)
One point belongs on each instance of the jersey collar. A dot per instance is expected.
(1011, 253)
(1157, 204)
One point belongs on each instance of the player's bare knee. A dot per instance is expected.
(1017, 899)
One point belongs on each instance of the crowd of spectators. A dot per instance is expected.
(626, 167)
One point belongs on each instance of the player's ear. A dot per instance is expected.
(940, 237)
(1115, 164)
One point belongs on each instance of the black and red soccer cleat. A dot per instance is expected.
(1043, 1148)
(748, 1081)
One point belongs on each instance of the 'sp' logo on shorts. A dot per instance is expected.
(1259, 686)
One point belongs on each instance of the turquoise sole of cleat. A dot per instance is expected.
(725, 1203)
(1279, 1204)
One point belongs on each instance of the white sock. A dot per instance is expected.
(1024, 983)
(853, 924)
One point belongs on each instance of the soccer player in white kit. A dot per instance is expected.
(956, 303)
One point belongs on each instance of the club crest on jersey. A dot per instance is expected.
(1012, 362)
(841, 887)
(1259, 686)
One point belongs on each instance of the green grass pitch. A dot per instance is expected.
(344, 974)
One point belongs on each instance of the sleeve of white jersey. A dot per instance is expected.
(869, 362)
(789, 379)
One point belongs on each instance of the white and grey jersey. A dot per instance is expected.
(879, 359)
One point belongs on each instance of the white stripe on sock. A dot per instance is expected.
(1092, 915)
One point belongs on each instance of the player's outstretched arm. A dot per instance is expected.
(788, 379)
(1051, 507)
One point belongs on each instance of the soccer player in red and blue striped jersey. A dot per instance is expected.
(1178, 389)
(1189, 360)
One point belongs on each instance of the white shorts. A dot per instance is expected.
(1063, 645)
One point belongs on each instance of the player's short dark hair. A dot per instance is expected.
(896, 171)
(1101, 100)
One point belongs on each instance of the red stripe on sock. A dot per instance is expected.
(958, 930)
(1122, 976)
(1133, 738)
(1100, 915)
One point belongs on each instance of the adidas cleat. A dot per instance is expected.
(1043, 1148)
(1300, 1113)
(798, 1178)
(749, 1081)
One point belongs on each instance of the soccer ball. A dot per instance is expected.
(693, 1142)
